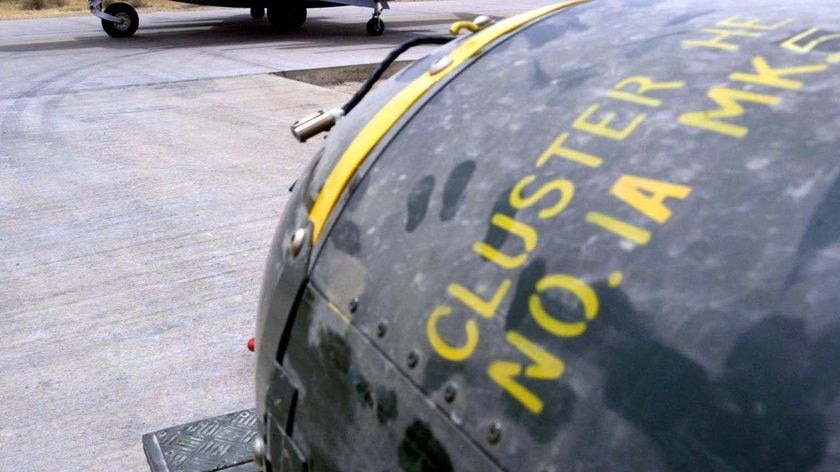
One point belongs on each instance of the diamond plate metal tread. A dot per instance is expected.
(222, 443)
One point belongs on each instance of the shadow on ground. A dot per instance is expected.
(241, 29)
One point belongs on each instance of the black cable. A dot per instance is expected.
(392, 56)
(324, 120)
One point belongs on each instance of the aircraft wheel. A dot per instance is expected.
(257, 13)
(129, 17)
(287, 18)
(375, 27)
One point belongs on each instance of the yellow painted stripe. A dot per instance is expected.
(381, 123)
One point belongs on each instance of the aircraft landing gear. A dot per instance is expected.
(375, 26)
(288, 17)
(119, 20)
(257, 13)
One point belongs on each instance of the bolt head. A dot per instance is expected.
(440, 65)
(296, 242)
(482, 21)
(494, 432)
(413, 359)
(449, 393)
(259, 451)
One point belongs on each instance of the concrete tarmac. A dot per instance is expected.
(140, 183)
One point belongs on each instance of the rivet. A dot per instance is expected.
(354, 305)
(440, 65)
(449, 393)
(413, 358)
(381, 329)
(296, 243)
(494, 433)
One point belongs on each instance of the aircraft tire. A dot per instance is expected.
(129, 16)
(257, 13)
(375, 27)
(287, 18)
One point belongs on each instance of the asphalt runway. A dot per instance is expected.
(140, 183)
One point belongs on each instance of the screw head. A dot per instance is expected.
(354, 304)
(449, 393)
(381, 329)
(296, 242)
(413, 359)
(494, 432)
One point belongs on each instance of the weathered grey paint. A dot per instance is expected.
(714, 341)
